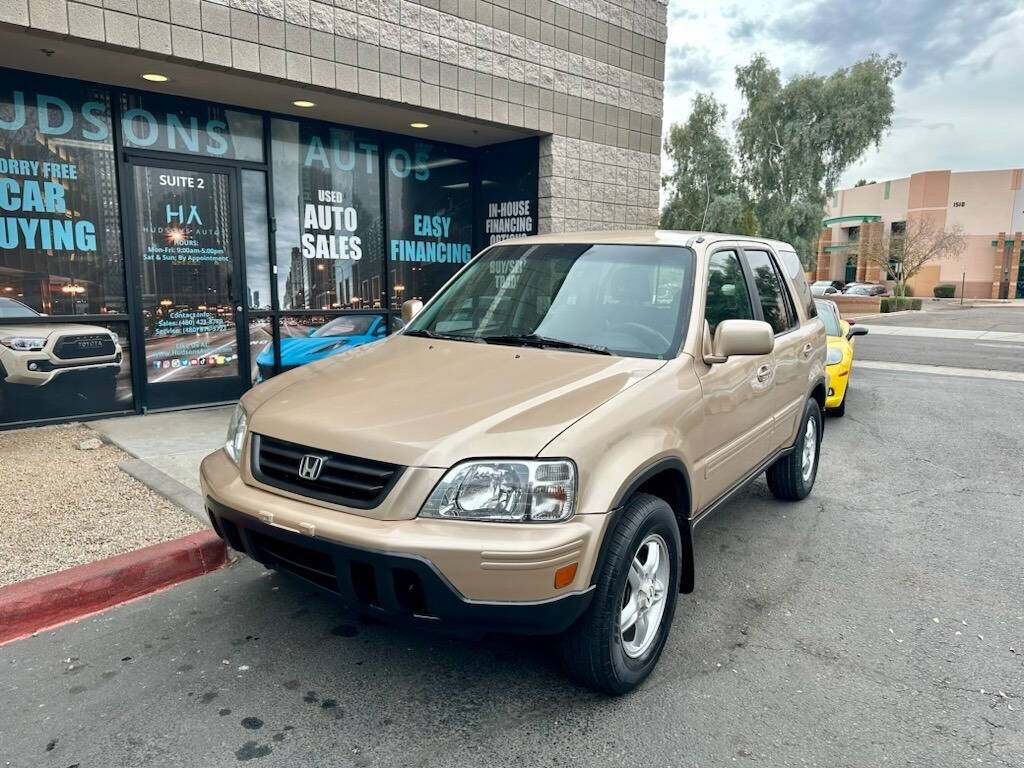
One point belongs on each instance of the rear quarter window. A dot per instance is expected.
(795, 270)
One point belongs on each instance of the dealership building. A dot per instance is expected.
(196, 195)
(988, 206)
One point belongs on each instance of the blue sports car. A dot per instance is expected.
(335, 336)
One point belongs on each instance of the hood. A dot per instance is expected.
(432, 403)
(11, 327)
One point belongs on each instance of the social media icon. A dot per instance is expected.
(184, 362)
(167, 364)
(202, 361)
(156, 363)
(175, 363)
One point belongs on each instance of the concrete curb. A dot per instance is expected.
(44, 602)
(164, 485)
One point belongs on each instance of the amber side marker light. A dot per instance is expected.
(565, 575)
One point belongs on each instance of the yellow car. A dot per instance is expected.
(840, 354)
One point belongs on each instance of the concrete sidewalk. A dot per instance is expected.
(168, 448)
(943, 333)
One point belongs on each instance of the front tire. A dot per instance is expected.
(616, 643)
(792, 477)
(840, 409)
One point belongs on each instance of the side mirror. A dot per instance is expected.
(410, 309)
(740, 337)
(856, 330)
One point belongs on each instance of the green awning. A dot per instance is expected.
(860, 218)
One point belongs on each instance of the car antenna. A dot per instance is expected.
(704, 218)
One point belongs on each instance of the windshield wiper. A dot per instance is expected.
(533, 340)
(428, 334)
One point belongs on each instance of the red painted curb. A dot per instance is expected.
(40, 603)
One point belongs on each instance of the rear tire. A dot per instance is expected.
(596, 651)
(792, 477)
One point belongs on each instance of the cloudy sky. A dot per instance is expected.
(958, 102)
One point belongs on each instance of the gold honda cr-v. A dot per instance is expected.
(532, 452)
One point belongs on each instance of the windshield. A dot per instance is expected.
(12, 308)
(828, 315)
(346, 326)
(630, 300)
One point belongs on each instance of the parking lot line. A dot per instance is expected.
(942, 370)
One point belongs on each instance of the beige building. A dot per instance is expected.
(987, 205)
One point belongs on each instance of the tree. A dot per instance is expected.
(794, 141)
(702, 168)
(922, 241)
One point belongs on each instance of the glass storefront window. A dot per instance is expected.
(190, 127)
(257, 247)
(308, 338)
(328, 239)
(72, 370)
(430, 218)
(60, 231)
(261, 348)
(187, 247)
(508, 191)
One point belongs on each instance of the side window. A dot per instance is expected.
(727, 297)
(770, 291)
(795, 270)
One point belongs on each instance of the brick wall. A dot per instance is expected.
(588, 72)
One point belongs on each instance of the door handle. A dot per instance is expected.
(808, 348)
(764, 373)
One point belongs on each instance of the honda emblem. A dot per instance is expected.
(310, 466)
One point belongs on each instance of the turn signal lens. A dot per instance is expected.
(564, 576)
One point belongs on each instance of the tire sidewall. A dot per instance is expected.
(811, 411)
(659, 520)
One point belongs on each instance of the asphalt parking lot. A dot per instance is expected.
(984, 353)
(879, 622)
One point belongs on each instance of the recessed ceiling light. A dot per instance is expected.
(155, 77)
(419, 125)
(304, 103)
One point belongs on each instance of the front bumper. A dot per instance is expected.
(34, 370)
(838, 378)
(389, 586)
(496, 576)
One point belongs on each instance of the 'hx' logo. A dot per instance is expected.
(179, 215)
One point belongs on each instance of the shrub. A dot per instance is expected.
(898, 304)
(944, 291)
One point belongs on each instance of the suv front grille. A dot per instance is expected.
(346, 480)
(84, 345)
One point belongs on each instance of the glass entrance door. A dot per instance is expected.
(190, 281)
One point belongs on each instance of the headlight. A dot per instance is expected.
(24, 343)
(507, 491)
(835, 355)
(236, 433)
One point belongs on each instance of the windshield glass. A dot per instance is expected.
(13, 308)
(630, 300)
(346, 326)
(828, 316)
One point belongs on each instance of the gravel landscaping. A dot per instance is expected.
(64, 505)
